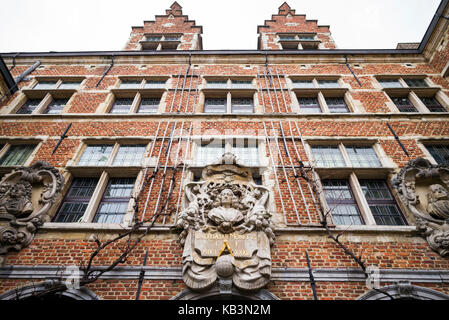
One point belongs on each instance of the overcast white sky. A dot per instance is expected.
(87, 25)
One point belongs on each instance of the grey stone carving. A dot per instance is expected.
(26, 194)
(423, 188)
(226, 228)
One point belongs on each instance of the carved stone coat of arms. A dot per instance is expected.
(226, 228)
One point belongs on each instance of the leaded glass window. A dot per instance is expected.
(390, 83)
(404, 104)
(381, 202)
(337, 105)
(215, 105)
(45, 85)
(309, 105)
(16, 155)
(69, 85)
(306, 84)
(209, 152)
(416, 83)
(328, 84)
(440, 152)
(122, 106)
(56, 106)
(95, 155)
(29, 106)
(245, 84)
(341, 202)
(242, 105)
(114, 203)
(328, 156)
(433, 105)
(246, 151)
(217, 84)
(149, 105)
(76, 200)
(151, 84)
(129, 155)
(363, 156)
(130, 84)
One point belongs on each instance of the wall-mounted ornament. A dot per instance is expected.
(226, 228)
(423, 189)
(26, 195)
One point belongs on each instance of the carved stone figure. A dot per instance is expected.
(431, 218)
(17, 209)
(226, 228)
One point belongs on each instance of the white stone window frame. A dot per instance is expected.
(104, 174)
(353, 175)
(7, 144)
(411, 94)
(320, 93)
(229, 92)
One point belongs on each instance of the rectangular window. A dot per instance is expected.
(69, 85)
(130, 84)
(381, 202)
(390, 83)
(115, 201)
(440, 152)
(309, 105)
(215, 105)
(76, 200)
(245, 84)
(404, 104)
(129, 155)
(246, 151)
(337, 105)
(149, 105)
(45, 85)
(328, 84)
(56, 106)
(17, 155)
(287, 37)
(209, 152)
(341, 202)
(217, 84)
(122, 106)
(171, 38)
(29, 106)
(306, 38)
(242, 105)
(363, 157)
(303, 84)
(328, 156)
(154, 84)
(433, 105)
(154, 38)
(416, 83)
(95, 155)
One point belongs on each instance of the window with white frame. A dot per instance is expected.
(246, 150)
(215, 105)
(242, 105)
(362, 156)
(15, 154)
(208, 152)
(124, 155)
(309, 105)
(345, 155)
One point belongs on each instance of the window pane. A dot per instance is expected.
(209, 152)
(433, 105)
(328, 156)
(171, 38)
(46, 85)
(242, 84)
(309, 105)
(130, 84)
(215, 105)
(29, 106)
(242, 105)
(246, 151)
(439, 152)
(381, 202)
(122, 106)
(404, 104)
(390, 83)
(363, 156)
(76, 200)
(341, 202)
(16, 155)
(154, 38)
(115, 201)
(416, 83)
(328, 84)
(70, 85)
(216, 84)
(337, 105)
(56, 106)
(149, 105)
(154, 84)
(95, 155)
(287, 37)
(129, 155)
(303, 84)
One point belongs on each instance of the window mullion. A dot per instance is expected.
(113, 154)
(43, 105)
(96, 198)
(322, 102)
(136, 103)
(345, 156)
(361, 201)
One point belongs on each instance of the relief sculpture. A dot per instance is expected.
(226, 228)
(423, 188)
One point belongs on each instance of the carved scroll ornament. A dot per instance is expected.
(21, 211)
(226, 228)
(423, 188)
